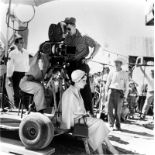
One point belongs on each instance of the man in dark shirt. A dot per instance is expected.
(79, 61)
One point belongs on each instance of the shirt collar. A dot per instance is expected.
(18, 50)
(74, 88)
(119, 70)
(78, 34)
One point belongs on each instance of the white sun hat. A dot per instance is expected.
(77, 75)
(119, 59)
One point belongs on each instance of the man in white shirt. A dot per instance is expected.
(150, 92)
(17, 65)
(116, 90)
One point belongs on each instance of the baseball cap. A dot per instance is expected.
(70, 20)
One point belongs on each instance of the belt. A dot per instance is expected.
(29, 77)
(116, 90)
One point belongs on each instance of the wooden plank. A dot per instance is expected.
(11, 115)
(7, 127)
(16, 147)
(10, 121)
(14, 115)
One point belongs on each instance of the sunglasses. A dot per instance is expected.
(21, 43)
(68, 29)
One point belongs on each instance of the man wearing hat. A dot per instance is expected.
(150, 92)
(17, 65)
(116, 90)
(79, 61)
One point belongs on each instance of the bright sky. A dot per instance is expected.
(118, 25)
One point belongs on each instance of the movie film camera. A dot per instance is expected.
(59, 53)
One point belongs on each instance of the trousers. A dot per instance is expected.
(37, 89)
(115, 103)
(132, 104)
(149, 100)
(16, 77)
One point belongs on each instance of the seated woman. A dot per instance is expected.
(73, 109)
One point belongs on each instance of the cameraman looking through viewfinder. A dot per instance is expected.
(79, 61)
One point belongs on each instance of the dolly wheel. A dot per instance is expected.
(36, 131)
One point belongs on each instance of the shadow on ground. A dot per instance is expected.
(117, 139)
(138, 133)
(66, 144)
(124, 151)
(69, 145)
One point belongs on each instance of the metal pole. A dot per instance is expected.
(6, 53)
(7, 34)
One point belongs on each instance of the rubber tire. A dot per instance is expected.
(44, 131)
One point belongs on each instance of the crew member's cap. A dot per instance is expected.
(77, 75)
(70, 20)
(119, 59)
(131, 82)
(18, 36)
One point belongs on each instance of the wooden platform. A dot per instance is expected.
(16, 147)
(11, 120)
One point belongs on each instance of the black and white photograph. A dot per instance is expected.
(77, 77)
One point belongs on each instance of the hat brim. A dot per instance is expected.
(68, 22)
(77, 75)
(119, 61)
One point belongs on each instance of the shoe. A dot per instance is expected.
(111, 128)
(118, 128)
(142, 117)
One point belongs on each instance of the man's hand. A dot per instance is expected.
(125, 100)
(86, 61)
(10, 82)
